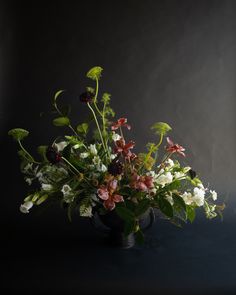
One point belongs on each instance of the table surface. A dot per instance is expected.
(197, 259)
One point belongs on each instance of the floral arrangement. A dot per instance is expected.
(95, 169)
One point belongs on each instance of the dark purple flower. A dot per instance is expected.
(52, 155)
(86, 97)
(115, 168)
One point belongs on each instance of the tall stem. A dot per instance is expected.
(99, 130)
(27, 153)
(95, 98)
(72, 166)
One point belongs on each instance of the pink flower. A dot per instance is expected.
(174, 148)
(142, 183)
(124, 149)
(120, 123)
(108, 195)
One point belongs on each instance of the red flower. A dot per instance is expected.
(120, 123)
(107, 193)
(174, 148)
(142, 183)
(124, 149)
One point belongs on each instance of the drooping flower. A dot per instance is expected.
(24, 208)
(66, 189)
(143, 183)
(93, 150)
(174, 147)
(84, 155)
(122, 122)
(213, 195)
(108, 194)
(86, 97)
(115, 136)
(52, 155)
(122, 148)
(60, 146)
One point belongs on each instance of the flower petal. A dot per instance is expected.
(118, 198)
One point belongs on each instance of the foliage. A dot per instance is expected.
(86, 174)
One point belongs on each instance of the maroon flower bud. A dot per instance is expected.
(86, 97)
(52, 155)
(115, 168)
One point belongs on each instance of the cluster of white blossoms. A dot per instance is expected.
(96, 160)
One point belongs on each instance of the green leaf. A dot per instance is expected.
(61, 121)
(179, 201)
(142, 207)
(190, 211)
(94, 73)
(57, 94)
(139, 237)
(18, 133)
(82, 128)
(42, 199)
(165, 207)
(125, 213)
(161, 128)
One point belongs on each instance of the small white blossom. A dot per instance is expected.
(113, 156)
(24, 208)
(198, 196)
(186, 169)
(60, 145)
(170, 199)
(66, 189)
(165, 178)
(101, 168)
(115, 136)
(213, 195)
(188, 198)
(170, 163)
(84, 155)
(85, 211)
(93, 150)
(96, 160)
(179, 175)
(46, 187)
(28, 180)
(200, 185)
(40, 176)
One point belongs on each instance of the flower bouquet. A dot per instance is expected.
(93, 170)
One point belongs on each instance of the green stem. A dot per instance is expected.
(95, 99)
(27, 153)
(99, 130)
(163, 161)
(72, 166)
(160, 141)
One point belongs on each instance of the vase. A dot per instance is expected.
(114, 227)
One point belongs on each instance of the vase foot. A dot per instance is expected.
(118, 239)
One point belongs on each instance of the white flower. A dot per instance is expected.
(179, 175)
(84, 155)
(153, 190)
(153, 175)
(113, 156)
(24, 208)
(200, 185)
(28, 167)
(96, 160)
(115, 136)
(213, 195)
(46, 187)
(188, 198)
(92, 149)
(198, 196)
(186, 169)
(165, 178)
(101, 168)
(170, 199)
(170, 163)
(28, 180)
(66, 189)
(85, 211)
(40, 176)
(60, 145)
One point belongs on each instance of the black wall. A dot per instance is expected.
(172, 61)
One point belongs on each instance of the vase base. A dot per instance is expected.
(118, 239)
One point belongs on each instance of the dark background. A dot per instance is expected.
(171, 61)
